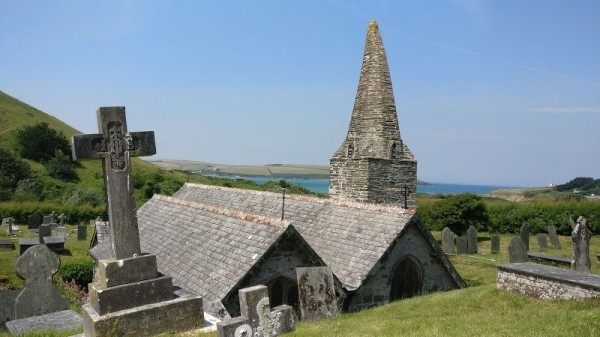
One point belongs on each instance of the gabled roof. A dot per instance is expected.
(205, 248)
(349, 236)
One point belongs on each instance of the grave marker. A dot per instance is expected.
(257, 319)
(34, 222)
(517, 252)
(524, 233)
(553, 237)
(495, 244)
(39, 296)
(61, 231)
(542, 241)
(316, 293)
(581, 245)
(48, 219)
(128, 294)
(81, 232)
(448, 244)
(462, 244)
(472, 240)
(44, 231)
(62, 218)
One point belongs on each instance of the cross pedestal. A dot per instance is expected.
(128, 295)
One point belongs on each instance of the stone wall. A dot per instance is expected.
(547, 282)
(376, 288)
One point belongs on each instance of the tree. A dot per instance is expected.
(458, 212)
(61, 167)
(12, 170)
(39, 142)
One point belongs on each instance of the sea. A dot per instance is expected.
(322, 186)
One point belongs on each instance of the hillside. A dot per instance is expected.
(281, 171)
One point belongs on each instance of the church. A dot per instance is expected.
(216, 240)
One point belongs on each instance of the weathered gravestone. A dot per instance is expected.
(7, 243)
(517, 252)
(61, 231)
(553, 237)
(316, 293)
(524, 233)
(472, 240)
(44, 231)
(581, 245)
(448, 244)
(48, 219)
(62, 217)
(81, 232)
(462, 244)
(58, 321)
(39, 296)
(542, 241)
(128, 295)
(257, 319)
(33, 222)
(10, 223)
(495, 244)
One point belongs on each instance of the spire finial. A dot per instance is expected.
(373, 25)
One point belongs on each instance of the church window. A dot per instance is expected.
(283, 291)
(407, 280)
(350, 150)
(394, 151)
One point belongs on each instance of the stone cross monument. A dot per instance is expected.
(114, 146)
(581, 245)
(128, 294)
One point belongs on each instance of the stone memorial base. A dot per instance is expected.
(7, 243)
(58, 321)
(129, 297)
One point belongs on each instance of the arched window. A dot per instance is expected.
(407, 280)
(350, 150)
(282, 290)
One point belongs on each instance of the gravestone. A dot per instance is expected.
(10, 223)
(39, 295)
(524, 233)
(61, 231)
(517, 252)
(542, 241)
(57, 321)
(553, 237)
(257, 319)
(495, 244)
(448, 244)
(25, 244)
(44, 231)
(62, 218)
(7, 243)
(316, 293)
(81, 232)
(48, 219)
(34, 222)
(581, 245)
(472, 240)
(462, 244)
(55, 243)
(128, 294)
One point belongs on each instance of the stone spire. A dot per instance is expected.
(373, 164)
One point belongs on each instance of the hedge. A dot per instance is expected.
(75, 215)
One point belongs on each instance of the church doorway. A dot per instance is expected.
(407, 279)
(283, 290)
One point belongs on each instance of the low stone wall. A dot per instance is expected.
(547, 282)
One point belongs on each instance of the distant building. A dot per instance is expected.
(373, 164)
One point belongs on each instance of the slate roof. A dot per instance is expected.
(349, 236)
(205, 248)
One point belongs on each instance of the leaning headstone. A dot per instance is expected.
(462, 244)
(257, 318)
(472, 240)
(448, 245)
(44, 231)
(34, 222)
(81, 232)
(581, 245)
(61, 231)
(62, 218)
(517, 252)
(542, 241)
(495, 244)
(316, 293)
(128, 294)
(39, 296)
(524, 233)
(553, 237)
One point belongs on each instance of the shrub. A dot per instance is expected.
(81, 273)
(84, 196)
(61, 167)
(39, 142)
(12, 170)
(458, 212)
(29, 190)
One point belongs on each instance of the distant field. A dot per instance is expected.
(271, 170)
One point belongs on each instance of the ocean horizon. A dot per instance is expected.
(322, 186)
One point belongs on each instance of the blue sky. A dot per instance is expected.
(487, 92)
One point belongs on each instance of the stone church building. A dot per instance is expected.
(214, 240)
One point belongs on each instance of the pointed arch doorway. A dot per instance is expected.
(407, 279)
